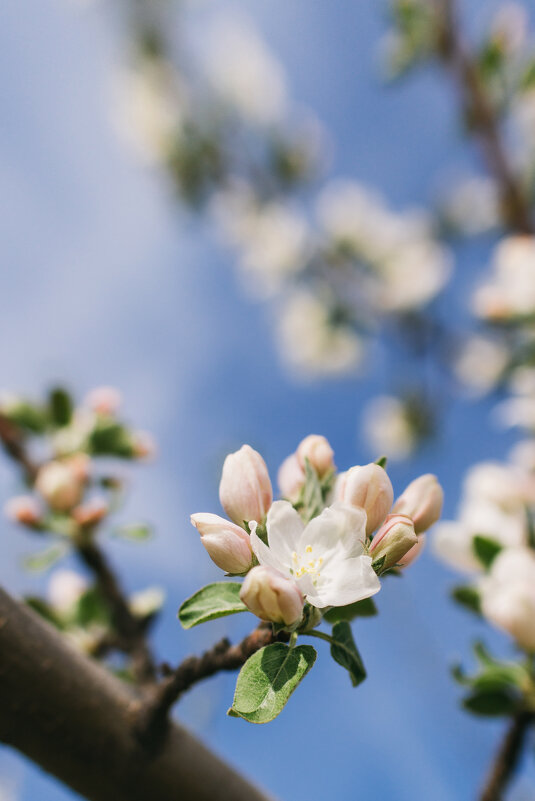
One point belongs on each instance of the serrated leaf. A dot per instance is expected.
(468, 597)
(491, 703)
(486, 549)
(213, 601)
(267, 680)
(134, 532)
(345, 652)
(45, 559)
(364, 608)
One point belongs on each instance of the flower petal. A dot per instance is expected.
(284, 528)
(265, 555)
(355, 581)
(338, 526)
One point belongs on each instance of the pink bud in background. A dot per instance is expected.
(370, 488)
(227, 544)
(291, 478)
(393, 540)
(414, 552)
(80, 466)
(143, 445)
(90, 513)
(422, 502)
(104, 400)
(319, 453)
(245, 489)
(59, 485)
(23, 509)
(271, 596)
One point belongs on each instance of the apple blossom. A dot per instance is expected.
(271, 596)
(65, 589)
(23, 509)
(291, 478)
(105, 401)
(414, 552)
(90, 513)
(58, 484)
(508, 595)
(370, 488)
(228, 545)
(393, 540)
(326, 557)
(319, 453)
(421, 501)
(245, 489)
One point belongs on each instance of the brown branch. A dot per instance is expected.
(506, 760)
(132, 639)
(221, 657)
(69, 715)
(483, 117)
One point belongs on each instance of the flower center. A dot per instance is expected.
(306, 564)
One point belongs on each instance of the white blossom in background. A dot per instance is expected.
(518, 410)
(413, 275)
(480, 363)
(472, 206)
(387, 427)
(65, 588)
(308, 341)
(149, 108)
(243, 72)
(508, 595)
(510, 291)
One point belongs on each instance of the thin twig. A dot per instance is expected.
(506, 760)
(12, 439)
(223, 656)
(483, 118)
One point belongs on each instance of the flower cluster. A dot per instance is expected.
(319, 550)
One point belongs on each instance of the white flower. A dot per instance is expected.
(326, 558)
(511, 289)
(65, 589)
(480, 364)
(413, 275)
(508, 595)
(386, 426)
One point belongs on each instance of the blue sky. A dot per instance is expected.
(103, 281)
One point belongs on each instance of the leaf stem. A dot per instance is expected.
(321, 636)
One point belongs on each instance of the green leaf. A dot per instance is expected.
(486, 549)
(468, 597)
(210, 602)
(344, 651)
(134, 532)
(28, 416)
(44, 559)
(91, 608)
(312, 493)
(267, 680)
(491, 703)
(44, 610)
(61, 406)
(110, 438)
(364, 608)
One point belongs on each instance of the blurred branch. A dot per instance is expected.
(69, 715)
(506, 760)
(223, 656)
(130, 629)
(483, 118)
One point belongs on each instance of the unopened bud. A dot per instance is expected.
(422, 502)
(59, 486)
(228, 545)
(393, 540)
(370, 488)
(414, 552)
(90, 513)
(291, 478)
(23, 509)
(65, 588)
(319, 453)
(105, 401)
(271, 596)
(245, 489)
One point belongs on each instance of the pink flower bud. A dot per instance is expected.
(393, 540)
(65, 588)
(291, 478)
(414, 552)
(422, 502)
(105, 401)
(319, 453)
(227, 544)
(59, 485)
(90, 513)
(23, 509)
(143, 445)
(80, 466)
(271, 596)
(245, 489)
(370, 488)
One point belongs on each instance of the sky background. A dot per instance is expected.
(104, 281)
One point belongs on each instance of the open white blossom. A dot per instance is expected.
(326, 557)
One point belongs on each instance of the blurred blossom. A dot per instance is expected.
(387, 427)
(243, 72)
(510, 292)
(413, 275)
(310, 343)
(472, 206)
(24, 509)
(65, 589)
(146, 602)
(510, 27)
(59, 485)
(74, 436)
(523, 454)
(508, 595)
(104, 400)
(519, 409)
(523, 124)
(480, 363)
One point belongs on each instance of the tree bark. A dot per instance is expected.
(77, 721)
